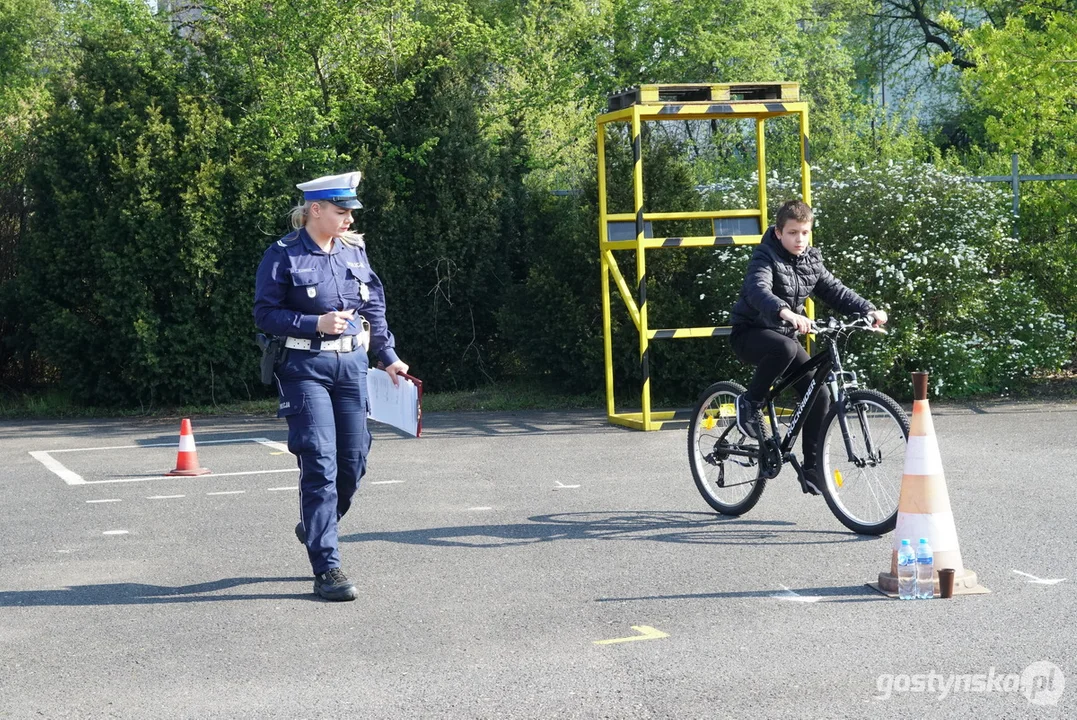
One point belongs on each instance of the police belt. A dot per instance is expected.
(345, 343)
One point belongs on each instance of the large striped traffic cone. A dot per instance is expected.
(924, 505)
(187, 457)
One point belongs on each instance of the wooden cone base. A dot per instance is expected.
(965, 583)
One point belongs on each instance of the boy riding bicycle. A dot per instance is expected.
(783, 272)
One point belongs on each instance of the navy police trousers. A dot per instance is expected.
(324, 397)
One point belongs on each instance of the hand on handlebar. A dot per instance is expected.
(877, 317)
(799, 322)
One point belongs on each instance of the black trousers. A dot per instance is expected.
(772, 354)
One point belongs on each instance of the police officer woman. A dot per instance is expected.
(315, 288)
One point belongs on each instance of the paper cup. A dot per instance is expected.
(946, 582)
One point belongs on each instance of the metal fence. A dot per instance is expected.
(1015, 178)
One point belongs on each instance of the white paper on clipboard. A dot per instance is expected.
(396, 405)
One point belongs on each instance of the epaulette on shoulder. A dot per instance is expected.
(288, 239)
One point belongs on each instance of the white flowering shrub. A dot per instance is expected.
(935, 252)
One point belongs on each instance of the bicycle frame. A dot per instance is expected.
(823, 364)
(827, 374)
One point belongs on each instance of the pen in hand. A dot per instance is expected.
(348, 320)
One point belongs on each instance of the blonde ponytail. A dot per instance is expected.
(298, 215)
(298, 218)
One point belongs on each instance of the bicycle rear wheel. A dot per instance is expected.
(863, 492)
(729, 483)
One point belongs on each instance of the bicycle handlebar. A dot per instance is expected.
(834, 326)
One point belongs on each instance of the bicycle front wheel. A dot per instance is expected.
(729, 483)
(862, 490)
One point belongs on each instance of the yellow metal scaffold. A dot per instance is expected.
(657, 103)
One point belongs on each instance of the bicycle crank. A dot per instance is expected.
(770, 456)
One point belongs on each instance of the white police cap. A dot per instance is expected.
(337, 189)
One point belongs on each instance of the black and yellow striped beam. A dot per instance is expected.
(704, 93)
(701, 111)
(724, 108)
(682, 333)
(684, 215)
(700, 241)
(706, 111)
(637, 193)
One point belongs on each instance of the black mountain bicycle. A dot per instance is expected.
(861, 443)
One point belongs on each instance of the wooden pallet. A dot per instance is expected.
(705, 93)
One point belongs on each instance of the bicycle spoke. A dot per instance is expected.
(722, 459)
(866, 496)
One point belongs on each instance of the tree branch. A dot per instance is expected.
(928, 26)
(914, 11)
(321, 80)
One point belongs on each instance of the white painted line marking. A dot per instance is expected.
(91, 502)
(152, 445)
(144, 478)
(385, 482)
(57, 467)
(73, 478)
(63, 551)
(791, 596)
(481, 508)
(280, 447)
(560, 486)
(228, 492)
(1040, 581)
(114, 532)
(164, 497)
(292, 487)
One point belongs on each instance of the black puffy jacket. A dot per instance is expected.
(777, 279)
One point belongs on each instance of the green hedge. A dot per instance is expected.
(159, 166)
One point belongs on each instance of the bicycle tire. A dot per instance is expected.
(710, 418)
(851, 491)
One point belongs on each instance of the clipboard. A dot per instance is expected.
(418, 403)
(397, 405)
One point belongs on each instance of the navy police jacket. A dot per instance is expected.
(777, 279)
(297, 281)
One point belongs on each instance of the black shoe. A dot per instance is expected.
(810, 481)
(749, 417)
(333, 584)
(300, 535)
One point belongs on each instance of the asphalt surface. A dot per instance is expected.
(493, 556)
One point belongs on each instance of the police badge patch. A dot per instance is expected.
(364, 291)
(312, 291)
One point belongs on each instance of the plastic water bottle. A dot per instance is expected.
(925, 571)
(906, 571)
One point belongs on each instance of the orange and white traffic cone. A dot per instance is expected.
(187, 457)
(924, 504)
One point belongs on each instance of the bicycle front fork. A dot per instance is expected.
(865, 431)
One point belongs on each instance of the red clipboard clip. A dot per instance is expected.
(419, 401)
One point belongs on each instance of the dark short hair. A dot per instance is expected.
(793, 210)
